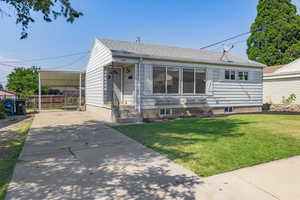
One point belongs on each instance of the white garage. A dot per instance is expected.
(282, 81)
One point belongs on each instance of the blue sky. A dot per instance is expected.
(190, 23)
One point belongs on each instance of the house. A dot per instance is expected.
(4, 94)
(133, 80)
(281, 81)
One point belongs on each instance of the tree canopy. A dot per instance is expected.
(275, 37)
(50, 10)
(24, 81)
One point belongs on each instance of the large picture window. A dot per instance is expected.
(194, 81)
(172, 80)
(159, 80)
(188, 80)
(165, 80)
(200, 82)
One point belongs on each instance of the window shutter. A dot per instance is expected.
(148, 85)
(209, 81)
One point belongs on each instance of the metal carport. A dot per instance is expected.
(61, 79)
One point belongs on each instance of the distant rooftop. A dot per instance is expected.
(134, 48)
(268, 70)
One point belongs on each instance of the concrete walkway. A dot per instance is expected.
(71, 155)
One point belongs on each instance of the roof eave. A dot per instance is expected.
(187, 60)
(281, 76)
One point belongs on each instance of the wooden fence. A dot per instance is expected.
(53, 102)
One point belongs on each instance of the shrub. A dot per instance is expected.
(291, 99)
(3, 110)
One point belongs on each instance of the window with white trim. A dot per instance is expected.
(164, 112)
(243, 76)
(228, 109)
(236, 75)
(165, 80)
(194, 81)
(229, 75)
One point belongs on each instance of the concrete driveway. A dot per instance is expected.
(71, 155)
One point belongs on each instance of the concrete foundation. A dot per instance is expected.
(103, 113)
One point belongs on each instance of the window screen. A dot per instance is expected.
(172, 81)
(200, 82)
(188, 80)
(159, 80)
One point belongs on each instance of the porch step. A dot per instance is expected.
(129, 120)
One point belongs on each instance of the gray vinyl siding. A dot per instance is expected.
(100, 56)
(219, 92)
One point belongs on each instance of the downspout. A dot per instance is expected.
(80, 101)
(40, 93)
(139, 81)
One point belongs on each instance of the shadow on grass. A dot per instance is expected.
(184, 131)
(170, 137)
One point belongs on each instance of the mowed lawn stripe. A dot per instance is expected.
(210, 146)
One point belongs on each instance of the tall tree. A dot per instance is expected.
(275, 37)
(49, 9)
(24, 81)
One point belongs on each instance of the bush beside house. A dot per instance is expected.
(2, 110)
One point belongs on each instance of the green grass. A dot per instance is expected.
(210, 146)
(8, 162)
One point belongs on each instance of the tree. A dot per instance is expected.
(50, 10)
(24, 81)
(275, 37)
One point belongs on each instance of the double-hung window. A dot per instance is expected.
(236, 75)
(193, 81)
(229, 75)
(243, 76)
(165, 80)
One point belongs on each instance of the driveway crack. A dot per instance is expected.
(72, 153)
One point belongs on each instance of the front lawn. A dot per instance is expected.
(209, 146)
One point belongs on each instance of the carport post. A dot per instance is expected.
(40, 92)
(79, 90)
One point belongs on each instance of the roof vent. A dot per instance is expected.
(226, 50)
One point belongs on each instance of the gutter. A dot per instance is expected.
(138, 56)
(281, 76)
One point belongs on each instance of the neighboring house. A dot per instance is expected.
(7, 94)
(129, 79)
(281, 81)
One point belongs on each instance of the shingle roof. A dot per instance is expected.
(117, 46)
(272, 69)
(292, 68)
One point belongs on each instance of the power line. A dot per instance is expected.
(8, 65)
(48, 58)
(231, 38)
(234, 43)
(70, 64)
(245, 33)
